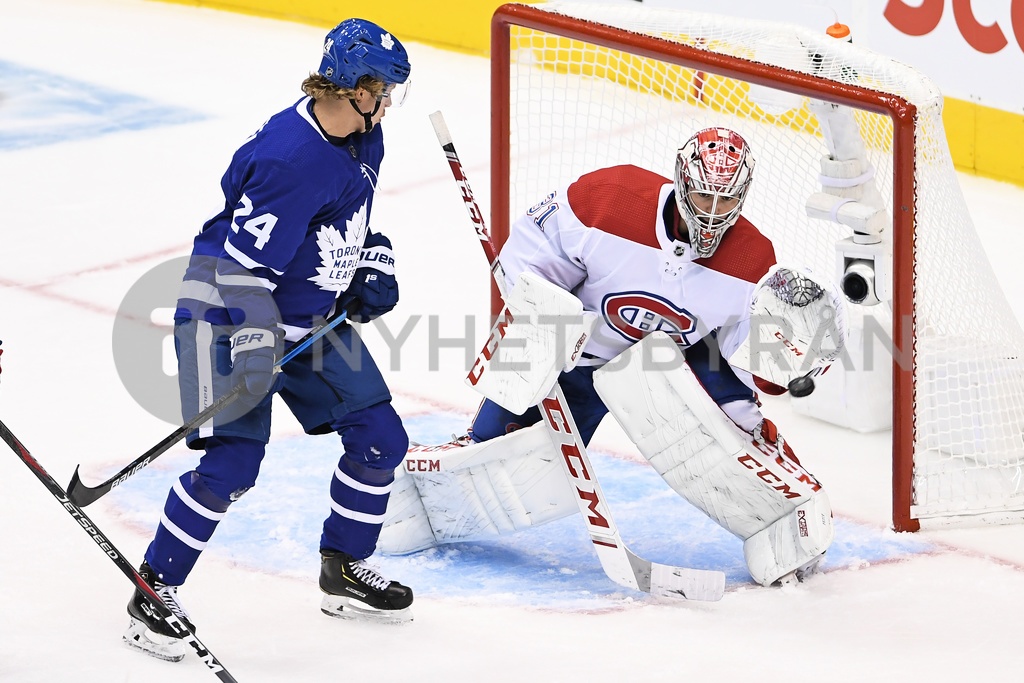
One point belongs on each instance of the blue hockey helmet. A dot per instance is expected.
(356, 48)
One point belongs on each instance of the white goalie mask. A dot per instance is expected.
(713, 173)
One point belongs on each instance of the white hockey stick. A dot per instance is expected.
(619, 562)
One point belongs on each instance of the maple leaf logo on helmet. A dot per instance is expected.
(356, 48)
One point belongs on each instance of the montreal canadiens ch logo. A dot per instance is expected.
(635, 315)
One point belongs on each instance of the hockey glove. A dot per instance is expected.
(253, 353)
(374, 283)
(797, 328)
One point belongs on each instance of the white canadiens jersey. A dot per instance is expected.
(603, 237)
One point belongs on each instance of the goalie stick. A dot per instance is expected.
(621, 564)
(83, 495)
(212, 663)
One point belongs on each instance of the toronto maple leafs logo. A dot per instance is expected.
(339, 252)
(387, 41)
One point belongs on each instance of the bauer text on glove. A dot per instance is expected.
(374, 283)
(254, 352)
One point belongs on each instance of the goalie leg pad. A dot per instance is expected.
(455, 493)
(792, 543)
(746, 487)
(406, 526)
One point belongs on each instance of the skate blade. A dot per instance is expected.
(138, 637)
(346, 608)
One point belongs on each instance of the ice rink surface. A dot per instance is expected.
(117, 118)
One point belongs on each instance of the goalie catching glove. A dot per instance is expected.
(797, 327)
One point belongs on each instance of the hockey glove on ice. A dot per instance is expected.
(253, 353)
(374, 283)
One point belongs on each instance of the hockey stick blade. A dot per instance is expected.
(618, 562)
(87, 525)
(83, 495)
(687, 584)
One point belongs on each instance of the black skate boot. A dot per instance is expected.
(355, 590)
(148, 631)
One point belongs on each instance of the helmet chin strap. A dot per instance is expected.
(367, 118)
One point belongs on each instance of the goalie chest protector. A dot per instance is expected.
(611, 224)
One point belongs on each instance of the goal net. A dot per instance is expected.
(580, 86)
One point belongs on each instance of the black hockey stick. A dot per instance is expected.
(620, 563)
(115, 555)
(83, 495)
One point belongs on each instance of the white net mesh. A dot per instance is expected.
(575, 107)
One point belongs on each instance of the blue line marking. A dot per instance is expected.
(276, 528)
(41, 108)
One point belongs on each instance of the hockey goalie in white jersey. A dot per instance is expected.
(644, 266)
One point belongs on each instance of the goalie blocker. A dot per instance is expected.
(539, 334)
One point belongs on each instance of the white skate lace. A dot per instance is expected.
(369, 575)
(169, 594)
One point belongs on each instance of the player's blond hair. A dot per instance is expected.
(319, 88)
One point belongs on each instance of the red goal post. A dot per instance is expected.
(580, 86)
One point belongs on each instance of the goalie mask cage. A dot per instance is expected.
(576, 87)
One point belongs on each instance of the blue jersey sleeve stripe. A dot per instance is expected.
(245, 281)
(200, 291)
(246, 261)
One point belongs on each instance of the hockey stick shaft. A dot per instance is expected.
(83, 495)
(475, 214)
(619, 562)
(87, 525)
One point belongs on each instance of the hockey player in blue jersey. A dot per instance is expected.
(290, 246)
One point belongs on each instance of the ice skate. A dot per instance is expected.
(354, 590)
(802, 573)
(147, 631)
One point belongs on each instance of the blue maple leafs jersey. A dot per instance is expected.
(287, 242)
